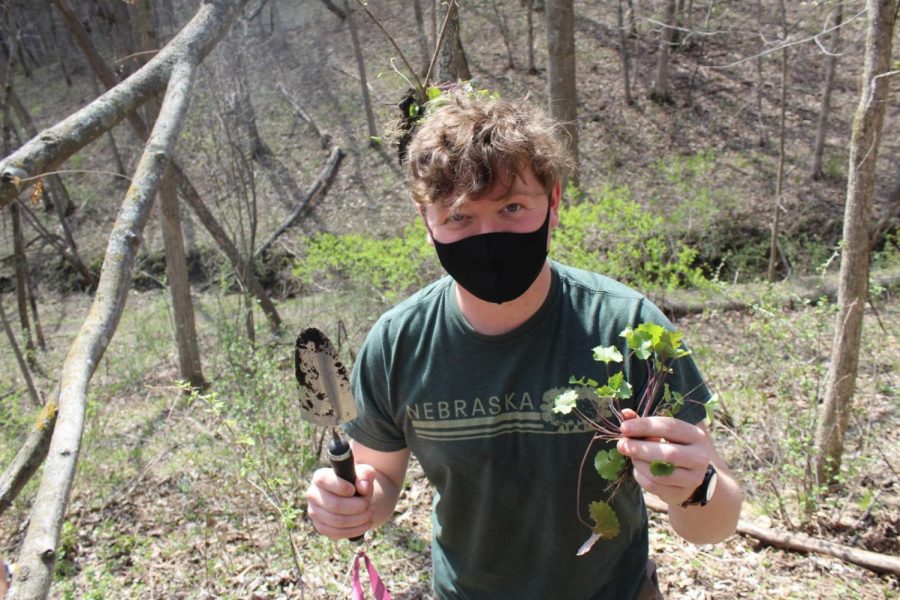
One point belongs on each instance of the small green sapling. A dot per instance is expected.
(600, 407)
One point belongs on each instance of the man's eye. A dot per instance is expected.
(455, 218)
(511, 208)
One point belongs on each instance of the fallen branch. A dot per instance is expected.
(788, 293)
(30, 456)
(323, 137)
(38, 555)
(188, 191)
(798, 542)
(321, 182)
(57, 143)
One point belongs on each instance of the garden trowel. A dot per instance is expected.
(325, 397)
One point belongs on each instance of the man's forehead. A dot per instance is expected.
(503, 187)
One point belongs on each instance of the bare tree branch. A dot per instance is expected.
(318, 185)
(785, 44)
(188, 191)
(38, 555)
(798, 542)
(54, 145)
(20, 358)
(30, 455)
(324, 137)
(334, 9)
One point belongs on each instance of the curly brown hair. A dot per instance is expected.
(467, 142)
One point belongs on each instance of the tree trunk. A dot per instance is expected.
(529, 20)
(818, 149)
(451, 65)
(680, 23)
(623, 53)
(23, 367)
(854, 275)
(239, 100)
(279, 39)
(762, 139)
(62, 56)
(189, 364)
(562, 90)
(184, 326)
(113, 147)
(101, 115)
(334, 9)
(425, 48)
(116, 18)
(660, 92)
(21, 268)
(504, 33)
(361, 69)
(632, 20)
(779, 184)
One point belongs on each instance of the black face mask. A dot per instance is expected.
(498, 266)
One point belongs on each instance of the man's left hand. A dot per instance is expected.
(682, 445)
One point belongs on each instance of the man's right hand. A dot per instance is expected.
(337, 509)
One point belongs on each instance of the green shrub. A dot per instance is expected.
(696, 206)
(608, 232)
(391, 266)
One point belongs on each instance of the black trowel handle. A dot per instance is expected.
(341, 457)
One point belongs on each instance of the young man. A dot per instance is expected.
(463, 374)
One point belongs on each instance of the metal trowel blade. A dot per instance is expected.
(325, 397)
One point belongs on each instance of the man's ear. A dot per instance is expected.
(556, 195)
(555, 203)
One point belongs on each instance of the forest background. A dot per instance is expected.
(199, 494)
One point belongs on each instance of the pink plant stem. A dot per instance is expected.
(606, 429)
(584, 458)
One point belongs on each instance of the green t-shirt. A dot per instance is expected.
(475, 410)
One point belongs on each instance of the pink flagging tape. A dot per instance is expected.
(378, 590)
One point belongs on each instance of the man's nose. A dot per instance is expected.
(487, 225)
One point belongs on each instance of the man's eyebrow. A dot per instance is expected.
(522, 191)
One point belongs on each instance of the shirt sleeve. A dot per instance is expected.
(375, 425)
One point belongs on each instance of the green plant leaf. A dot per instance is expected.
(585, 381)
(640, 341)
(621, 387)
(710, 406)
(606, 522)
(607, 354)
(616, 387)
(609, 463)
(661, 468)
(565, 403)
